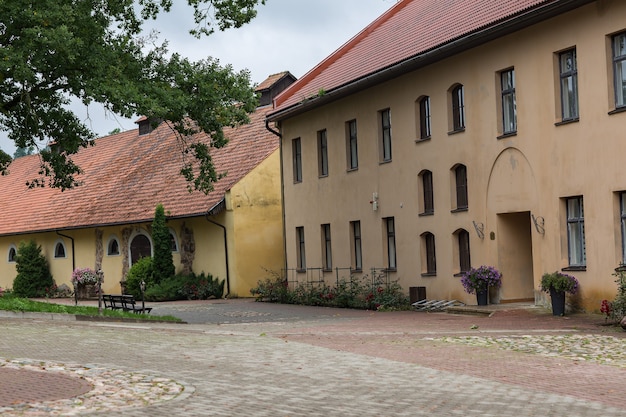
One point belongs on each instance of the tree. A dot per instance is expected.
(19, 152)
(33, 277)
(162, 262)
(94, 50)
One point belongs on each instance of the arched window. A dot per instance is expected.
(173, 241)
(462, 250)
(427, 198)
(422, 113)
(59, 249)
(457, 102)
(12, 253)
(429, 260)
(459, 173)
(113, 247)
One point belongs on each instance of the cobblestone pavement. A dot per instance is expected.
(270, 360)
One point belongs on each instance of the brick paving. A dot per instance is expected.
(239, 357)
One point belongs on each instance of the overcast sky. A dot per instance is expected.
(286, 35)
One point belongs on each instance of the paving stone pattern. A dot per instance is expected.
(261, 362)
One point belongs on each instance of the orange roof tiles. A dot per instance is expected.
(125, 177)
(406, 30)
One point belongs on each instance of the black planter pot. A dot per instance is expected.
(558, 302)
(482, 297)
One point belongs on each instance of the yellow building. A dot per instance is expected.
(449, 135)
(234, 232)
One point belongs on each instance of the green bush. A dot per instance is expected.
(140, 271)
(354, 293)
(168, 290)
(33, 273)
(202, 287)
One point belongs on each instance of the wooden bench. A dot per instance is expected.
(123, 302)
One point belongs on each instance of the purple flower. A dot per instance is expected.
(481, 278)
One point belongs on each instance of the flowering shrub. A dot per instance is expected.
(363, 293)
(606, 308)
(559, 281)
(480, 279)
(84, 276)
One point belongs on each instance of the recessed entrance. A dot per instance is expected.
(515, 257)
(140, 247)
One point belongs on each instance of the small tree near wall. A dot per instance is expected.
(33, 273)
(162, 262)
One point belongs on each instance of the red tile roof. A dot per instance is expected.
(125, 177)
(406, 30)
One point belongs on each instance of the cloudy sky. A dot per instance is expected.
(286, 35)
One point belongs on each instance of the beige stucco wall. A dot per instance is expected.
(256, 241)
(529, 173)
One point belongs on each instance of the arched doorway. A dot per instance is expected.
(511, 197)
(140, 247)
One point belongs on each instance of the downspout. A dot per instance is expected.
(73, 262)
(282, 192)
(206, 216)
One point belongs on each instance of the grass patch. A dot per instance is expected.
(11, 303)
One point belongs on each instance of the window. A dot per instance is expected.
(296, 149)
(301, 258)
(458, 108)
(385, 129)
(353, 156)
(327, 252)
(569, 85)
(463, 254)
(576, 231)
(428, 202)
(460, 174)
(391, 242)
(113, 247)
(619, 68)
(622, 205)
(428, 254)
(357, 256)
(12, 254)
(322, 153)
(424, 117)
(59, 250)
(173, 241)
(509, 110)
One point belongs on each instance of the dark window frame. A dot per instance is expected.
(300, 249)
(356, 242)
(458, 108)
(576, 248)
(430, 252)
(460, 174)
(425, 117)
(390, 228)
(619, 69)
(465, 260)
(508, 101)
(568, 81)
(352, 145)
(296, 148)
(385, 129)
(322, 152)
(428, 196)
(327, 252)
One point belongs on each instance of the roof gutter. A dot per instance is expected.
(282, 188)
(446, 50)
(216, 209)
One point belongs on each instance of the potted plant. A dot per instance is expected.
(85, 281)
(557, 284)
(478, 280)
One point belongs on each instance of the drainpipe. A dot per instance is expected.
(73, 261)
(282, 192)
(206, 216)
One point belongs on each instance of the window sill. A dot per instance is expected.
(618, 110)
(352, 169)
(459, 274)
(429, 274)
(459, 210)
(322, 176)
(426, 213)
(327, 270)
(300, 271)
(420, 140)
(567, 121)
(356, 271)
(507, 135)
(390, 270)
(384, 162)
(575, 268)
(455, 131)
